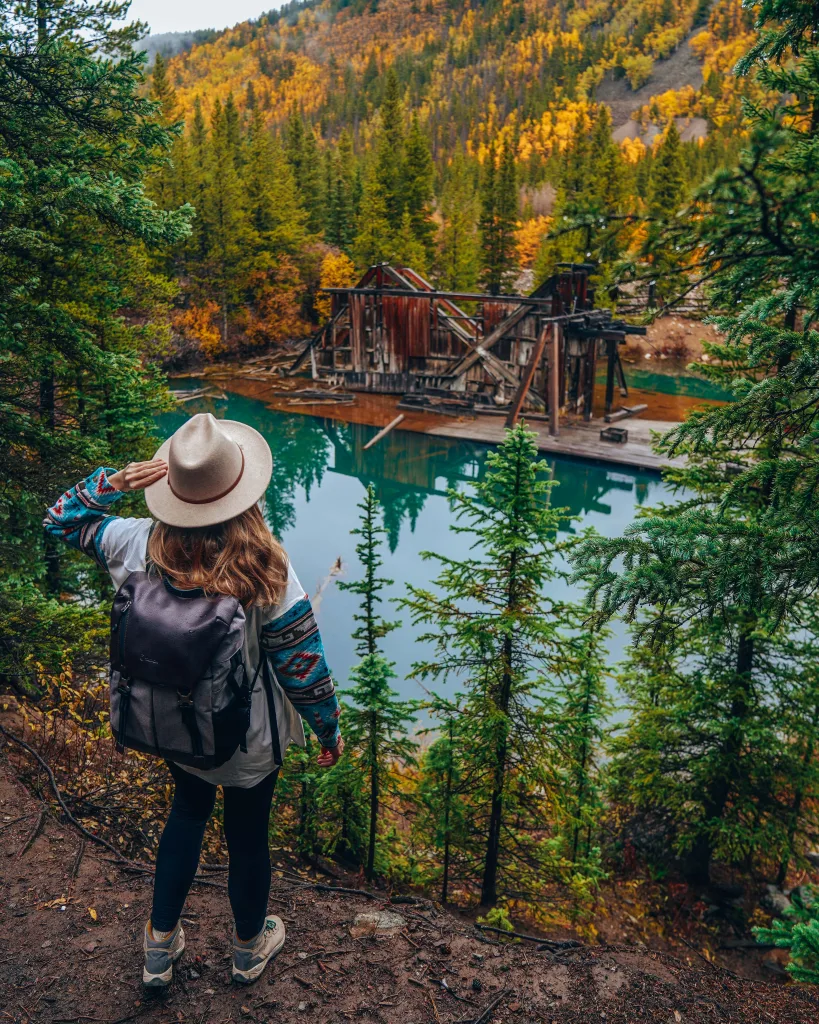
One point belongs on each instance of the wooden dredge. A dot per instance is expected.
(455, 351)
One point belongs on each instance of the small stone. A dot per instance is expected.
(301, 956)
(193, 975)
(46, 944)
(302, 1007)
(380, 923)
(514, 1007)
(89, 947)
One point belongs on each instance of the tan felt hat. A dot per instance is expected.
(216, 469)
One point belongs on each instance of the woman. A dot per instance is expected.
(202, 489)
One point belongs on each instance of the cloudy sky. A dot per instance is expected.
(179, 15)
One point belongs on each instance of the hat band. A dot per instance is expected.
(216, 497)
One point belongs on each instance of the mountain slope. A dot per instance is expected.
(473, 72)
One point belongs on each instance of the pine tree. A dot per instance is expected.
(389, 165)
(717, 584)
(458, 248)
(272, 196)
(301, 149)
(499, 218)
(418, 179)
(492, 629)
(224, 217)
(374, 242)
(376, 722)
(667, 176)
(441, 823)
(79, 137)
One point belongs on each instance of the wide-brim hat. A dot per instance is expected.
(216, 470)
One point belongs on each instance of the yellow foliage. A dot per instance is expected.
(633, 150)
(337, 271)
(200, 324)
(528, 238)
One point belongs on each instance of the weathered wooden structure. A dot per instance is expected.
(393, 332)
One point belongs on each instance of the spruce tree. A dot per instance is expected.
(389, 165)
(376, 721)
(418, 179)
(79, 137)
(458, 246)
(717, 584)
(499, 218)
(441, 823)
(494, 629)
(374, 241)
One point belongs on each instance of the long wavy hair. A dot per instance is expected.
(239, 558)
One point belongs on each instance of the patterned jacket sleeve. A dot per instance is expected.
(79, 517)
(293, 645)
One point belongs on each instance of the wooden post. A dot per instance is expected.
(527, 377)
(554, 381)
(591, 370)
(611, 352)
(384, 432)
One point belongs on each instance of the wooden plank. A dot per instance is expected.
(591, 371)
(622, 414)
(383, 433)
(527, 377)
(611, 354)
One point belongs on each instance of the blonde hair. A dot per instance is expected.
(239, 558)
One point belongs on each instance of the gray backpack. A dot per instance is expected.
(179, 686)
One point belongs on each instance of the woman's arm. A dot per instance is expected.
(80, 516)
(292, 643)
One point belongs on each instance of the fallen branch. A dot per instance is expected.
(15, 821)
(487, 1013)
(60, 800)
(545, 943)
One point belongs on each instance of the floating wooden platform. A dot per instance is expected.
(581, 440)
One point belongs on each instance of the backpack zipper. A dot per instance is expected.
(122, 626)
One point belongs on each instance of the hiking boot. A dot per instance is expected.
(160, 956)
(251, 958)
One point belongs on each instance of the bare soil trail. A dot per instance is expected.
(70, 929)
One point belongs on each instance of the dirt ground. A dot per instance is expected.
(71, 923)
(670, 338)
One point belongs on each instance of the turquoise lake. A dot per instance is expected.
(319, 477)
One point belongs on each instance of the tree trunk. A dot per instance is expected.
(698, 862)
(489, 893)
(447, 838)
(373, 797)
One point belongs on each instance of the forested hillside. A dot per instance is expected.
(454, 138)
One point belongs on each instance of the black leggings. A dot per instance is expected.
(246, 818)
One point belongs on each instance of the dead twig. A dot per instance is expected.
(15, 821)
(33, 834)
(75, 867)
(488, 1010)
(545, 943)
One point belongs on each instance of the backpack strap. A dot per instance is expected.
(271, 707)
(188, 710)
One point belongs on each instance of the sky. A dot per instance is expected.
(182, 15)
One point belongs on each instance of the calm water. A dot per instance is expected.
(320, 474)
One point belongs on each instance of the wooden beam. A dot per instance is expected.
(527, 377)
(611, 353)
(591, 371)
(554, 381)
(383, 433)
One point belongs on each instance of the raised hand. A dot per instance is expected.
(138, 475)
(327, 758)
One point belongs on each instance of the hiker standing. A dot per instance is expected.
(216, 657)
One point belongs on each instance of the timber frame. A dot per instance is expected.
(394, 333)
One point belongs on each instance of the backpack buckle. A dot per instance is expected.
(184, 698)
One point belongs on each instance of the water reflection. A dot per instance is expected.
(320, 472)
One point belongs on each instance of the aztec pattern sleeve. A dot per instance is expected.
(80, 516)
(292, 643)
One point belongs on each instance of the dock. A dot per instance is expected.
(579, 440)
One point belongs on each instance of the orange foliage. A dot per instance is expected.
(528, 237)
(276, 314)
(200, 324)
